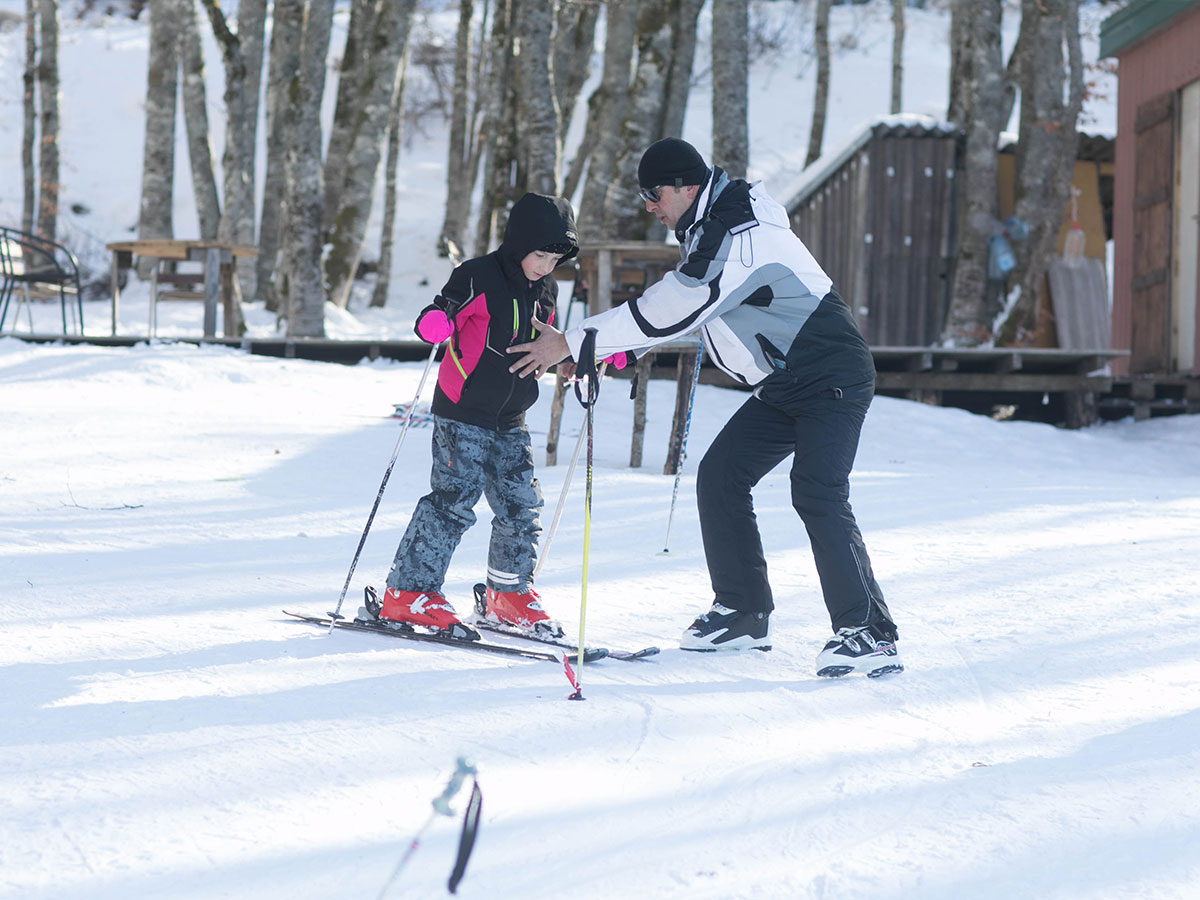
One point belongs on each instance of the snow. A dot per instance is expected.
(169, 734)
(166, 733)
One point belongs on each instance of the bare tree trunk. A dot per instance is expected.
(578, 66)
(356, 62)
(390, 38)
(539, 143)
(195, 117)
(251, 18)
(47, 219)
(574, 36)
(968, 319)
(242, 54)
(897, 54)
(479, 80)
(476, 137)
(608, 105)
(302, 236)
(624, 214)
(497, 129)
(730, 77)
(458, 189)
(1045, 150)
(821, 96)
(584, 152)
(683, 57)
(383, 276)
(507, 175)
(29, 129)
(286, 33)
(684, 14)
(959, 107)
(158, 154)
(1012, 77)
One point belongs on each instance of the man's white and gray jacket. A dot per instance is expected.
(767, 312)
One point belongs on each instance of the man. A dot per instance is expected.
(769, 316)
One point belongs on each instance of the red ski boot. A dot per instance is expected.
(521, 609)
(428, 608)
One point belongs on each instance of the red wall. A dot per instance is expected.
(1165, 60)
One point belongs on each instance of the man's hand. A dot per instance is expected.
(549, 347)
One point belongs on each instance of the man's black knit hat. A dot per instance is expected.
(671, 161)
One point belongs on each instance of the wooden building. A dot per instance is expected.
(879, 215)
(1156, 291)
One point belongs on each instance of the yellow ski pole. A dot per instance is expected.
(589, 369)
(587, 541)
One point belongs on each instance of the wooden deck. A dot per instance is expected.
(925, 368)
(1064, 387)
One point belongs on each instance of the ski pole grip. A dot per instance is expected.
(585, 367)
(463, 768)
(586, 364)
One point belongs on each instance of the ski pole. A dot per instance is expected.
(451, 311)
(412, 409)
(562, 499)
(441, 807)
(687, 426)
(587, 538)
(588, 368)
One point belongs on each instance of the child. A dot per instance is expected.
(480, 443)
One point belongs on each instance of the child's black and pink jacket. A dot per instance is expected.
(491, 305)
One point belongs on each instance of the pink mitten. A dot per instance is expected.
(618, 360)
(433, 326)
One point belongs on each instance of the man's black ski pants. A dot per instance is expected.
(822, 434)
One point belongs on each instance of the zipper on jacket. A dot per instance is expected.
(512, 381)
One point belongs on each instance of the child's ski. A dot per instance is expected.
(481, 621)
(414, 635)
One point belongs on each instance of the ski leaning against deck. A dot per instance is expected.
(483, 622)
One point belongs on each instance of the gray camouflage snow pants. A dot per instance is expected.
(470, 462)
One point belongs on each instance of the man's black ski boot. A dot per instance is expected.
(867, 649)
(722, 628)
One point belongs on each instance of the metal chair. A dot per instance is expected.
(39, 269)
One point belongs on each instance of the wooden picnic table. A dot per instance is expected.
(218, 261)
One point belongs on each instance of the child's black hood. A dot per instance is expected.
(538, 221)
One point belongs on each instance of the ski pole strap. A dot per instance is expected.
(466, 840)
(585, 367)
(441, 806)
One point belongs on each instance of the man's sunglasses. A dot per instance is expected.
(651, 195)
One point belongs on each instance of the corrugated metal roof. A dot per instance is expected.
(1092, 148)
(900, 125)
